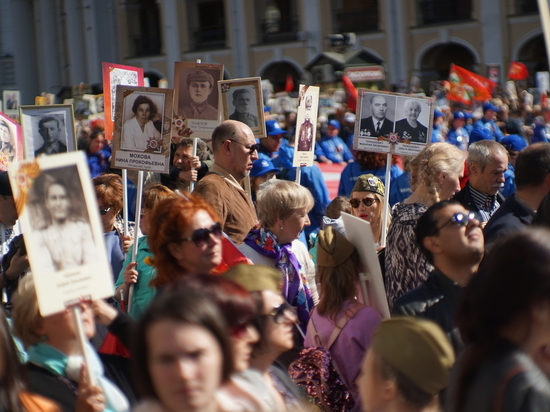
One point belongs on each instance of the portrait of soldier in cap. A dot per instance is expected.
(200, 85)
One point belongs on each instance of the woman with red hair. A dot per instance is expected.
(185, 238)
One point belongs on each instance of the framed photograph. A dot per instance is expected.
(196, 96)
(59, 215)
(143, 125)
(242, 101)
(113, 76)
(393, 123)
(12, 99)
(11, 142)
(47, 130)
(306, 126)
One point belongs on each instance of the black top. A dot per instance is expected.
(512, 216)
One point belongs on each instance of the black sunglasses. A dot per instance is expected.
(200, 237)
(278, 313)
(461, 219)
(103, 210)
(367, 201)
(251, 149)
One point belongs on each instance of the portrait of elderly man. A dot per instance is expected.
(410, 128)
(241, 100)
(200, 85)
(376, 124)
(50, 130)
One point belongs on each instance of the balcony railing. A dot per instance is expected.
(278, 30)
(212, 37)
(145, 46)
(527, 6)
(357, 22)
(443, 11)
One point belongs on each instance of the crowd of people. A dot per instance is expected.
(465, 264)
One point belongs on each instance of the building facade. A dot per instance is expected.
(46, 45)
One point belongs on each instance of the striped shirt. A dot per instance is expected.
(486, 204)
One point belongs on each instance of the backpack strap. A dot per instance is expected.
(348, 314)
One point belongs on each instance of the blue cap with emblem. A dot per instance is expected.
(262, 166)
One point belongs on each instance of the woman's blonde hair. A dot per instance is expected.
(433, 160)
(279, 199)
(25, 313)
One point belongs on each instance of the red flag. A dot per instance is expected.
(289, 84)
(231, 256)
(467, 86)
(351, 93)
(518, 71)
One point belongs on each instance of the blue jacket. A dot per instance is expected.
(492, 126)
(540, 133)
(509, 187)
(334, 149)
(353, 170)
(311, 178)
(400, 188)
(459, 138)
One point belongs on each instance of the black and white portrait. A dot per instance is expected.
(8, 143)
(377, 115)
(142, 122)
(11, 101)
(243, 101)
(414, 115)
(122, 77)
(198, 93)
(62, 233)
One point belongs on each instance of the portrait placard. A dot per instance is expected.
(359, 233)
(143, 124)
(47, 130)
(11, 142)
(242, 101)
(196, 96)
(59, 215)
(306, 121)
(113, 76)
(11, 99)
(392, 122)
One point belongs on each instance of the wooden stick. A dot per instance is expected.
(195, 143)
(125, 200)
(386, 201)
(77, 316)
(138, 218)
(298, 174)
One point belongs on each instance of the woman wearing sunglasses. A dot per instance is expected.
(185, 238)
(367, 202)
(435, 176)
(283, 209)
(108, 189)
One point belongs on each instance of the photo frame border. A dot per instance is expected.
(95, 280)
(69, 131)
(259, 131)
(198, 129)
(121, 158)
(11, 112)
(107, 103)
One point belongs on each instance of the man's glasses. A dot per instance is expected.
(103, 210)
(367, 201)
(279, 313)
(200, 237)
(251, 149)
(461, 219)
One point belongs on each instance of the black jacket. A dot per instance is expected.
(511, 217)
(436, 299)
(466, 199)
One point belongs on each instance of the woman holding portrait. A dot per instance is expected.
(140, 129)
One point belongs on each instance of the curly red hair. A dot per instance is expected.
(168, 221)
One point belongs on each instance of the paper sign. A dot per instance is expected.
(59, 215)
(306, 128)
(359, 233)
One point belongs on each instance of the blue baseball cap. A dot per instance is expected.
(262, 166)
(489, 106)
(467, 115)
(514, 142)
(480, 133)
(273, 128)
(334, 123)
(437, 114)
(459, 115)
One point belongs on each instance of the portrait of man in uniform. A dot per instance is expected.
(242, 101)
(376, 124)
(200, 85)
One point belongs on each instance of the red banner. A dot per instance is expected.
(467, 86)
(518, 71)
(351, 93)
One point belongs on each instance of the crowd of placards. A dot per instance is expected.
(181, 252)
